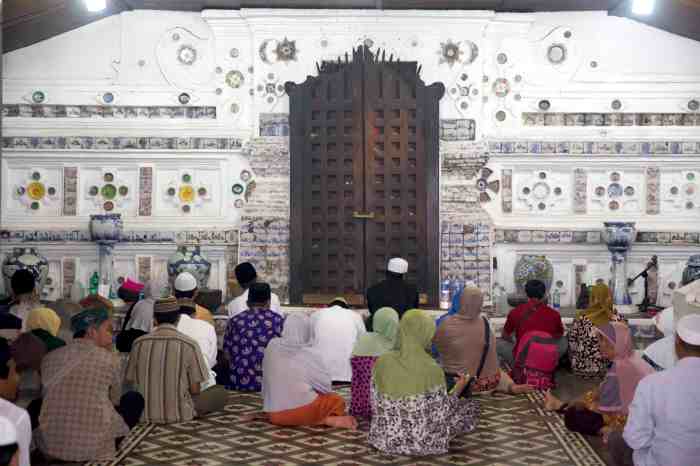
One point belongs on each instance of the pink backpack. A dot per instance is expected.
(536, 359)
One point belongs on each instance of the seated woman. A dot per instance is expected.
(584, 352)
(461, 341)
(44, 323)
(602, 410)
(296, 387)
(368, 348)
(412, 413)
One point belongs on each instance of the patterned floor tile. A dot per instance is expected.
(512, 431)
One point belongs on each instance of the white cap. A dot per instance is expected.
(664, 321)
(689, 329)
(397, 265)
(8, 432)
(185, 282)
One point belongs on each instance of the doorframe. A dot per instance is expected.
(431, 127)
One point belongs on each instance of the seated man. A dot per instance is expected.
(205, 336)
(24, 291)
(247, 276)
(392, 292)
(80, 419)
(247, 335)
(186, 288)
(534, 315)
(16, 416)
(9, 447)
(662, 427)
(172, 386)
(336, 330)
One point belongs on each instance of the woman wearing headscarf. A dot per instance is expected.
(661, 354)
(44, 323)
(142, 313)
(584, 351)
(297, 388)
(412, 412)
(368, 348)
(461, 342)
(604, 409)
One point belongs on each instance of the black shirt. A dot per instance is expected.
(392, 292)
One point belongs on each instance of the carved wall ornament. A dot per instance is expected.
(186, 192)
(270, 89)
(186, 59)
(556, 54)
(693, 105)
(286, 50)
(616, 191)
(542, 192)
(35, 191)
(243, 187)
(186, 54)
(450, 52)
(683, 191)
(483, 185)
(110, 192)
(235, 79)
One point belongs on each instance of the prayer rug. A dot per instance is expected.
(512, 430)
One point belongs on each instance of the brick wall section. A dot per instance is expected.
(466, 229)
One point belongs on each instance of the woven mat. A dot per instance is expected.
(512, 431)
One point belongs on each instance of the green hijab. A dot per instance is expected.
(410, 370)
(385, 323)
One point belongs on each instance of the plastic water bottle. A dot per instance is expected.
(94, 283)
(445, 294)
(556, 299)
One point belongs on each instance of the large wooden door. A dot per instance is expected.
(364, 171)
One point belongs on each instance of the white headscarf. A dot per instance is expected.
(142, 313)
(663, 351)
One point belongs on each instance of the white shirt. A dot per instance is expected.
(662, 427)
(20, 418)
(240, 304)
(205, 336)
(336, 330)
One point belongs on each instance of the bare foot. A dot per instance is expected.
(605, 433)
(342, 422)
(256, 416)
(517, 389)
(551, 402)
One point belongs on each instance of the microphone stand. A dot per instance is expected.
(644, 305)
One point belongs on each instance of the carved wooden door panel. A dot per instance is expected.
(364, 174)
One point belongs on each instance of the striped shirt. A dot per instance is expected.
(163, 365)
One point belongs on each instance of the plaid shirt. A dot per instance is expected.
(82, 385)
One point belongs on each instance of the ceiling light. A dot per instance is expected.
(95, 5)
(642, 7)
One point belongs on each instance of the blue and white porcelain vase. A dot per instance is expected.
(106, 227)
(530, 267)
(692, 270)
(26, 258)
(619, 236)
(189, 258)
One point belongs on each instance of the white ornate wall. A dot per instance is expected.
(551, 124)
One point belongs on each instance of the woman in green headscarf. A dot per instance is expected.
(412, 413)
(368, 348)
(584, 349)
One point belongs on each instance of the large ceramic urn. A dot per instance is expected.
(619, 236)
(26, 258)
(692, 270)
(189, 258)
(530, 267)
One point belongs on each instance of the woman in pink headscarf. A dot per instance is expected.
(604, 409)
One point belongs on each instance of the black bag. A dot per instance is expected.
(125, 338)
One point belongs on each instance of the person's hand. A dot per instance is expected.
(517, 389)
(461, 383)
